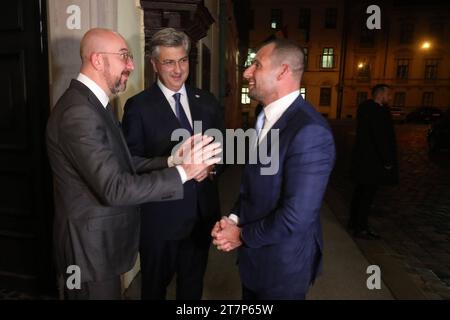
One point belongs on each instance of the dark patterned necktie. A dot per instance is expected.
(181, 115)
(112, 115)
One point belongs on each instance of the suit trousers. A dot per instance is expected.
(110, 289)
(362, 201)
(162, 259)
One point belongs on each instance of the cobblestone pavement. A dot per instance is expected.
(413, 218)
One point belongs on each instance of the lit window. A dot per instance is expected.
(327, 58)
(250, 57)
(245, 99)
(303, 92)
(276, 19)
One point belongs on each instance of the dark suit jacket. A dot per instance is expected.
(375, 146)
(148, 123)
(97, 187)
(280, 214)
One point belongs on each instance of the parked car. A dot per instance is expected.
(398, 115)
(424, 115)
(438, 136)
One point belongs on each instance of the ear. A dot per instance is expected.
(96, 60)
(284, 70)
(154, 65)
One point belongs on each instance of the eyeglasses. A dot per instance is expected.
(126, 56)
(170, 64)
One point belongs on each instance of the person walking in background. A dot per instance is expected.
(374, 158)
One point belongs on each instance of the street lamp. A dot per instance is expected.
(426, 45)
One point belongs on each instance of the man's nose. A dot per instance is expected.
(130, 64)
(177, 67)
(248, 72)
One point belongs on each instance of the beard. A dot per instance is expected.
(260, 93)
(115, 83)
(254, 94)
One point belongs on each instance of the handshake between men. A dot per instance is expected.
(197, 156)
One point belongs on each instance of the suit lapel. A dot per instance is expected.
(160, 103)
(98, 107)
(282, 123)
(194, 105)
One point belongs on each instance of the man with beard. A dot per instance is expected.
(97, 183)
(276, 220)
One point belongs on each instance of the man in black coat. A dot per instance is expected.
(175, 237)
(374, 158)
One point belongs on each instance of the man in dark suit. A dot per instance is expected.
(175, 236)
(97, 183)
(374, 158)
(276, 220)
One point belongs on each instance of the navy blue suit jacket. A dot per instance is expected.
(280, 214)
(148, 123)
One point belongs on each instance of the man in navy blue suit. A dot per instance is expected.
(276, 220)
(175, 235)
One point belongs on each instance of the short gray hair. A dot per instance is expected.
(169, 37)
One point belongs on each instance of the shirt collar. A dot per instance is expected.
(95, 88)
(274, 110)
(169, 93)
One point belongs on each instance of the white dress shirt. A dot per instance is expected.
(273, 113)
(185, 104)
(95, 88)
(275, 110)
(183, 99)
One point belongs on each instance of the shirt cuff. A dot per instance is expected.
(234, 217)
(170, 163)
(182, 173)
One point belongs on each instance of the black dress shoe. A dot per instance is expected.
(366, 234)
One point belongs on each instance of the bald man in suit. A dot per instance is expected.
(97, 183)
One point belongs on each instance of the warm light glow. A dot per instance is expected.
(360, 65)
(426, 45)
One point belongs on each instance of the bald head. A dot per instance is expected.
(106, 59)
(100, 40)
